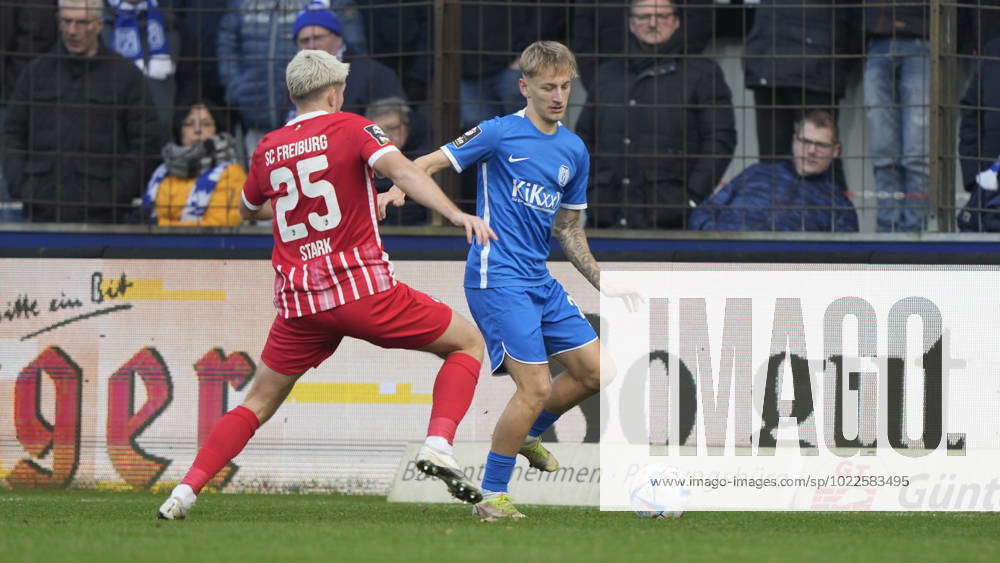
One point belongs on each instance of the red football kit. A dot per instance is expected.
(332, 276)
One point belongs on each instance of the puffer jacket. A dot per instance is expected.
(254, 46)
(805, 34)
(773, 197)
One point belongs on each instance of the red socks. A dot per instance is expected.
(453, 390)
(225, 442)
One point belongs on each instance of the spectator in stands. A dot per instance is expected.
(794, 60)
(26, 31)
(255, 43)
(394, 117)
(979, 131)
(399, 33)
(318, 28)
(896, 80)
(79, 127)
(200, 180)
(660, 127)
(146, 34)
(604, 30)
(979, 143)
(798, 194)
(493, 36)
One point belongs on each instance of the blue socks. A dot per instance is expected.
(498, 471)
(544, 421)
(499, 467)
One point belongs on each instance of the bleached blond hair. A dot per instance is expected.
(547, 54)
(89, 5)
(311, 72)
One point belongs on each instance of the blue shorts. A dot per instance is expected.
(528, 323)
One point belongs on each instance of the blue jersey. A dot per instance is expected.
(524, 178)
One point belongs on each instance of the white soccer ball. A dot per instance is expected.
(652, 497)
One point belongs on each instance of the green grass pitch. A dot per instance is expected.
(40, 526)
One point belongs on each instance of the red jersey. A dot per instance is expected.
(317, 173)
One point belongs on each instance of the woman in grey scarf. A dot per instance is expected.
(200, 180)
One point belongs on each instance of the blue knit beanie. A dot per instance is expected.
(316, 13)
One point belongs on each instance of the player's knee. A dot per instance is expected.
(476, 346)
(536, 393)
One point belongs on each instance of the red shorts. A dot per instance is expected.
(401, 317)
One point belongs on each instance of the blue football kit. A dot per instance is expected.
(524, 176)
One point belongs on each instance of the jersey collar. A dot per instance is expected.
(521, 114)
(306, 116)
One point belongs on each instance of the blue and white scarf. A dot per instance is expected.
(153, 59)
(204, 161)
(197, 201)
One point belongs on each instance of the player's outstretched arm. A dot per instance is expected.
(571, 236)
(413, 181)
(429, 163)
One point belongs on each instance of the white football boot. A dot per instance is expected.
(442, 465)
(178, 505)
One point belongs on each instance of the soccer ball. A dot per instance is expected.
(657, 501)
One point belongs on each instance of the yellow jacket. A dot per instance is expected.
(223, 207)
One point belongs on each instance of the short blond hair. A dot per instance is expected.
(89, 5)
(311, 72)
(547, 54)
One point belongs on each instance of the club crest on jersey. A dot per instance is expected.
(563, 175)
(535, 196)
(467, 136)
(378, 134)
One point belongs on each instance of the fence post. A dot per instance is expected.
(447, 64)
(943, 95)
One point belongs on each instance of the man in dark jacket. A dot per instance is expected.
(601, 30)
(791, 195)
(369, 80)
(792, 66)
(897, 96)
(660, 127)
(80, 127)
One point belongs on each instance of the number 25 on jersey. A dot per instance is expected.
(321, 188)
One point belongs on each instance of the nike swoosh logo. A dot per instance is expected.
(510, 158)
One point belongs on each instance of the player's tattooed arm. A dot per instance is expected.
(569, 232)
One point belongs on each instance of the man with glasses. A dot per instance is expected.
(790, 195)
(79, 128)
(393, 115)
(659, 124)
